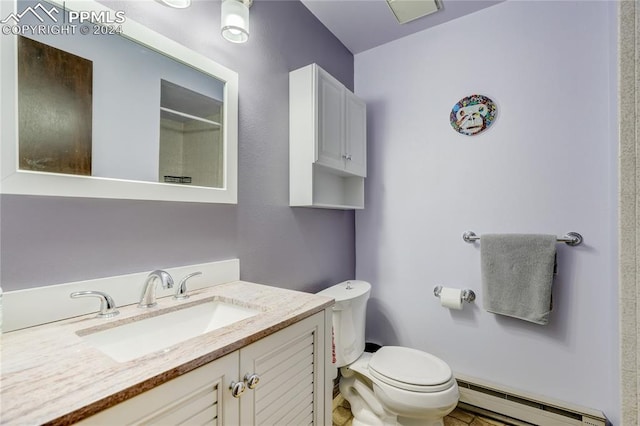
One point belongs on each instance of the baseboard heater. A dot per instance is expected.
(521, 409)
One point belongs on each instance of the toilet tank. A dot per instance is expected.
(349, 318)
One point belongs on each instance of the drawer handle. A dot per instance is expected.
(237, 389)
(251, 380)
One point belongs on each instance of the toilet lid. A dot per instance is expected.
(346, 290)
(410, 369)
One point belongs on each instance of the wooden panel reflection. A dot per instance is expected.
(55, 90)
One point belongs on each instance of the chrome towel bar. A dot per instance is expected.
(570, 238)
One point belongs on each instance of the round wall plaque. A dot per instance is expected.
(473, 114)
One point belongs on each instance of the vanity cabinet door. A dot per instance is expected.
(291, 367)
(199, 397)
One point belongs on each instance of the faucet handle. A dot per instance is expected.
(107, 305)
(181, 291)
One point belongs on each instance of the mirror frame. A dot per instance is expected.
(25, 182)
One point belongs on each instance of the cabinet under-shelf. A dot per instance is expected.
(335, 190)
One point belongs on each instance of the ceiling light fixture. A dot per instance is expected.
(178, 4)
(408, 10)
(235, 20)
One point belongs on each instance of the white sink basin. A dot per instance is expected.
(132, 340)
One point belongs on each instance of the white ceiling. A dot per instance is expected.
(363, 24)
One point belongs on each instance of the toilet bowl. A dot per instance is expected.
(393, 386)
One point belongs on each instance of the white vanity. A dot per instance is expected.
(272, 367)
(276, 380)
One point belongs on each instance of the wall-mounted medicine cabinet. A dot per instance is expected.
(327, 142)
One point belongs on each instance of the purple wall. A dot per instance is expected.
(50, 240)
(428, 184)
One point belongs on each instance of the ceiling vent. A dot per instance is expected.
(408, 10)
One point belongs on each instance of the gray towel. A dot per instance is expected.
(517, 274)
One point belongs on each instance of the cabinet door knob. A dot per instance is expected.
(251, 380)
(237, 389)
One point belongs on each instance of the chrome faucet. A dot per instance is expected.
(148, 298)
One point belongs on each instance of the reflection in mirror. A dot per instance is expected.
(123, 109)
(54, 109)
(190, 145)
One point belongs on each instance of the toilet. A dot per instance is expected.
(393, 386)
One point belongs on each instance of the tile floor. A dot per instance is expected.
(342, 416)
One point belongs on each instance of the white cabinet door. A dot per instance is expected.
(342, 127)
(201, 396)
(355, 135)
(330, 148)
(291, 367)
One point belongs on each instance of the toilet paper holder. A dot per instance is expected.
(466, 295)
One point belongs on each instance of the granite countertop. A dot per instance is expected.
(51, 376)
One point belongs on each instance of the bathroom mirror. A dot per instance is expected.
(96, 105)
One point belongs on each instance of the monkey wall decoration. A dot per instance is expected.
(473, 114)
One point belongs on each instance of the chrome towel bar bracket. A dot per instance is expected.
(570, 238)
